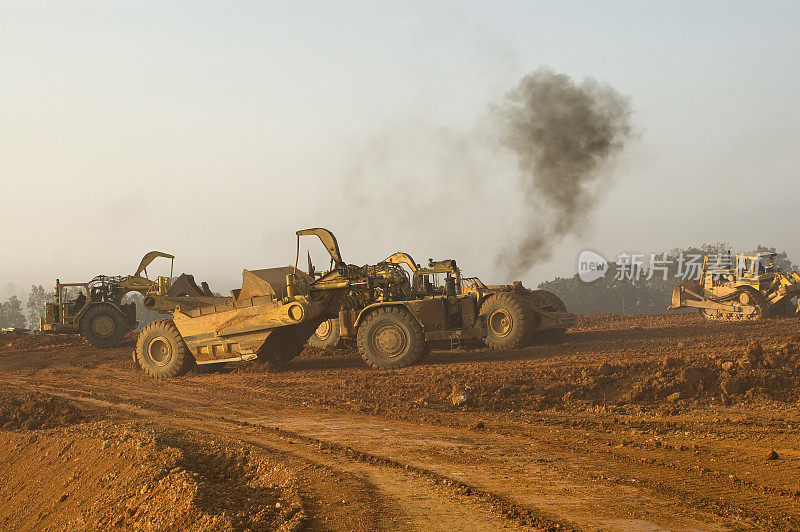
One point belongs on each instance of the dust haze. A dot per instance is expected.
(543, 151)
(257, 112)
(564, 136)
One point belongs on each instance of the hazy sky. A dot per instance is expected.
(214, 130)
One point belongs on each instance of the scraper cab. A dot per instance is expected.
(270, 318)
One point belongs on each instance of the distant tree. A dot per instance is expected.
(37, 297)
(782, 261)
(11, 314)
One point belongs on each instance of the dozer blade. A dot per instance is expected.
(677, 297)
(566, 319)
(683, 297)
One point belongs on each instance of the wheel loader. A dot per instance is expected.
(96, 311)
(515, 315)
(751, 288)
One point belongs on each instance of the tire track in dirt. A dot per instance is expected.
(322, 488)
(492, 502)
(656, 452)
(683, 479)
(403, 497)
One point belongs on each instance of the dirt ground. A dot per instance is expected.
(630, 423)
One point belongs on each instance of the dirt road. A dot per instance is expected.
(632, 423)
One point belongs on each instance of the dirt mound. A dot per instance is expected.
(31, 411)
(98, 476)
(30, 342)
(621, 383)
(604, 361)
(740, 374)
(14, 342)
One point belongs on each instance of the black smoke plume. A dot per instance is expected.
(563, 135)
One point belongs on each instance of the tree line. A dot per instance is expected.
(12, 313)
(636, 289)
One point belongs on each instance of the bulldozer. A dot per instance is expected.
(96, 310)
(747, 288)
(516, 316)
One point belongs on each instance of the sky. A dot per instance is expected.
(215, 130)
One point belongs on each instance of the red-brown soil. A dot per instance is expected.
(632, 422)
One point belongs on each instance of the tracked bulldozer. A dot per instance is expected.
(748, 287)
(96, 310)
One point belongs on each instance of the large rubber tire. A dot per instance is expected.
(161, 351)
(103, 326)
(509, 323)
(390, 337)
(326, 335)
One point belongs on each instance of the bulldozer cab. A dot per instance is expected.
(756, 265)
(740, 268)
(757, 270)
(724, 269)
